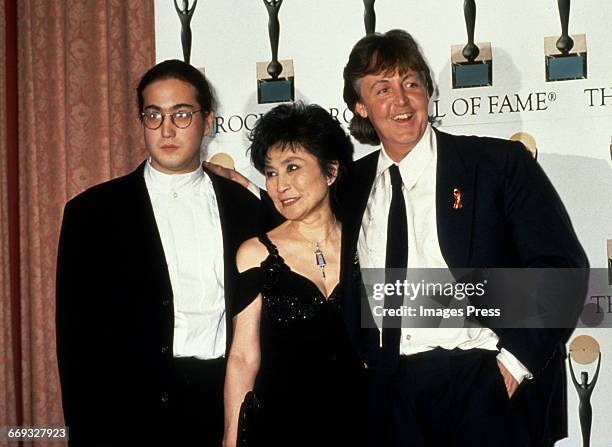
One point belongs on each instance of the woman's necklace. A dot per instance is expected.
(319, 257)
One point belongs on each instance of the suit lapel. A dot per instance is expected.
(226, 229)
(454, 225)
(146, 225)
(228, 234)
(356, 194)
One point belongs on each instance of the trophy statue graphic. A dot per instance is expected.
(472, 64)
(369, 16)
(185, 14)
(585, 350)
(566, 56)
(275, 81)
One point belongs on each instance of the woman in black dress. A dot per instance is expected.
(289, 343)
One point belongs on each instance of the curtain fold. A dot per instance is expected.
(9, 284)
(79, 64)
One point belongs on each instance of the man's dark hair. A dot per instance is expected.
(309, 126)
(380, 53)
(176, 69)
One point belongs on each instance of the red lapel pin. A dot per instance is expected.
(457, 195)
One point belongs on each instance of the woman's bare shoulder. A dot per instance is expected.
(250, 254)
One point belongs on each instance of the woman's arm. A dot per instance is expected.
(244, 355)
(242, 366)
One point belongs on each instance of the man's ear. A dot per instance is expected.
(208, 122)
(361, 109)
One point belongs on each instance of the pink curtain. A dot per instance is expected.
(8, 145)
(78, 65)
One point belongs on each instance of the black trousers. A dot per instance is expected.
(196, 402)
(450, 398)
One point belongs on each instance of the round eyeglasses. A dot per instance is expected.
(153, 119)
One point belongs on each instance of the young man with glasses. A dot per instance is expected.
(145, 270)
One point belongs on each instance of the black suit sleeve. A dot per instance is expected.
(545, 240)
(543, 233)
(81, 387)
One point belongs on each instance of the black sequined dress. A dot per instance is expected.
(309, 381)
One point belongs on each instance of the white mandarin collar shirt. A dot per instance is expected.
(187, 217)
(419, 174)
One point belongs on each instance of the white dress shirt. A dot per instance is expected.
(187, 217)
(418, 171)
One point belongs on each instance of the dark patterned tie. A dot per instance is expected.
(396, 259)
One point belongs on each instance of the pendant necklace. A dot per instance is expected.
(319, 257)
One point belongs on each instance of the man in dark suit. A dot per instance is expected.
(145, 269)
(428, 199)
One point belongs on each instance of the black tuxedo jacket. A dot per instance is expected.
(114, 315)
(511, 217)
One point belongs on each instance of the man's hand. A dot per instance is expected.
(509, 381)
(231, 174)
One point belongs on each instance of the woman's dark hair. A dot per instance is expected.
(176, 69)
(310, 127)
(380, 53)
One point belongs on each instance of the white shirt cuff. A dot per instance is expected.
(514, 366)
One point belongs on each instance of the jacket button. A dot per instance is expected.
(164, 349)
(165, 303)
(164, 397)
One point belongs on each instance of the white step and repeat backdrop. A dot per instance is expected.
(571, 121)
